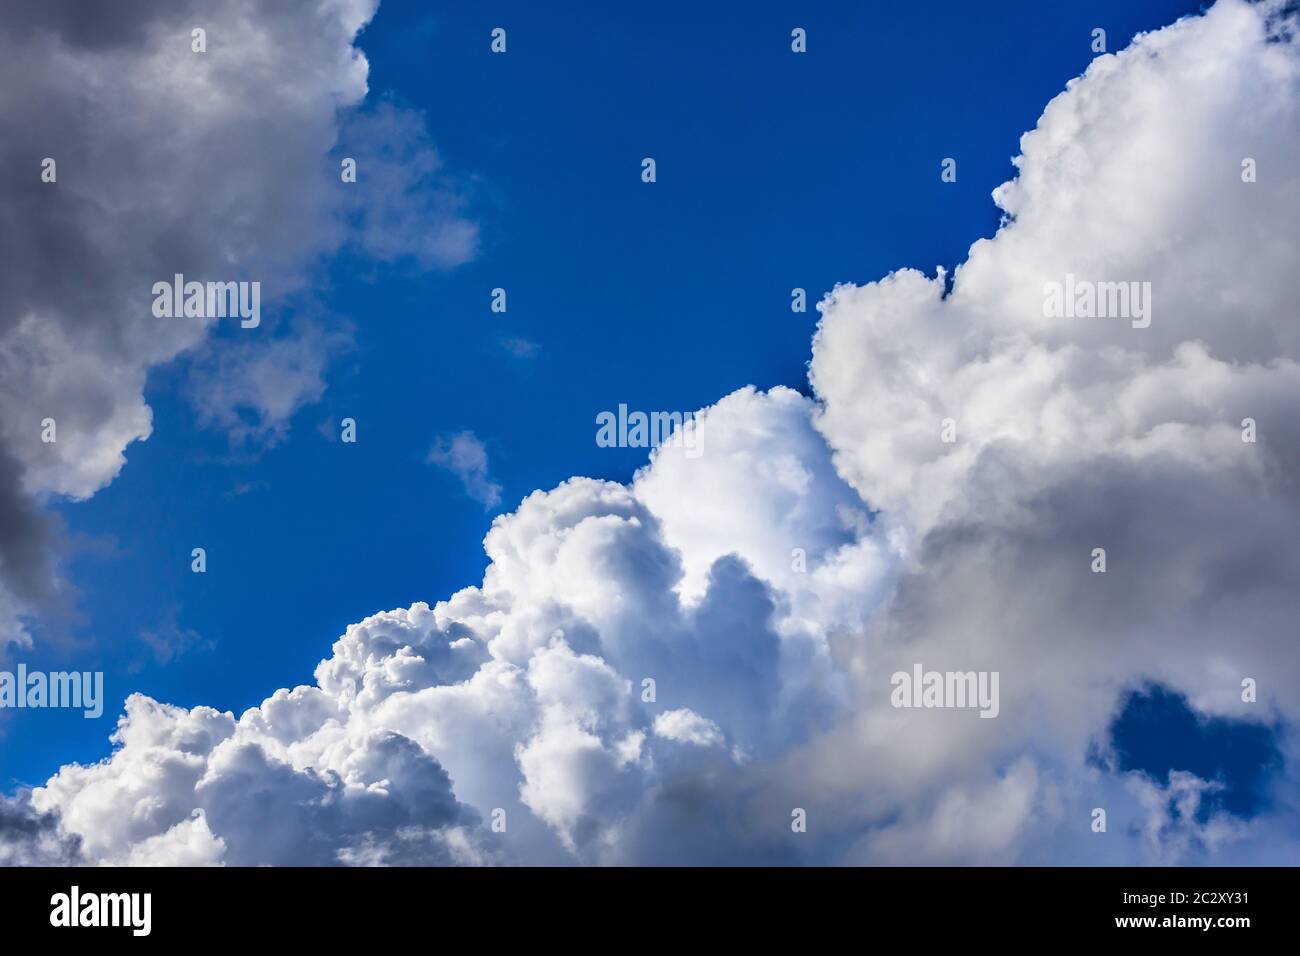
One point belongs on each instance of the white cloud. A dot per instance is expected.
(686, 726)
(1083, 433)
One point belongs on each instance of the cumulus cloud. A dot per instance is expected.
(219, 166)
(661, 671)
(1075, 434)
(688, 727)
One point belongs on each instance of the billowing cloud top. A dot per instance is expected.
(667, 671)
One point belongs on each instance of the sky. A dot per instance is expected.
(522, 171)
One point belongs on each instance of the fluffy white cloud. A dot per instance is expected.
(524, 694)
(687, 726)
(1079, 433)
(766, 590)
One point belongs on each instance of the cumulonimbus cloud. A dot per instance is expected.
(665, 671)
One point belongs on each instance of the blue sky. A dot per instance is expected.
(774, 171)
(1158, 732)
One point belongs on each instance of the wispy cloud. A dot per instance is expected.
(168, 640)
(465, 457)
(521, 348)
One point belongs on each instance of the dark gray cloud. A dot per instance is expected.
(92, 26)
(29, 837)
(26, 538)
(219, 166)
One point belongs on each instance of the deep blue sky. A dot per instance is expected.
(774, 171)
(1157, 731)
